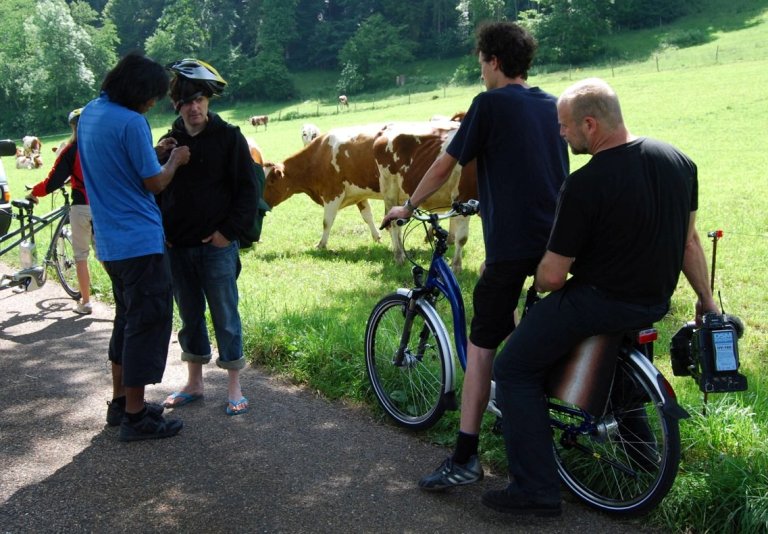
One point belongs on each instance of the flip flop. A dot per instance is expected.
(231, 406)
(186, 398)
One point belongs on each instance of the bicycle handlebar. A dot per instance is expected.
(465, 209)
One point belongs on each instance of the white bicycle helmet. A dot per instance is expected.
(73, 115)
(199, 71)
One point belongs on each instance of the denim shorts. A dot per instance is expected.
(495, 300)
(143, 317)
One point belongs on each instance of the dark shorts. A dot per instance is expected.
(495, 299)
(143, 317)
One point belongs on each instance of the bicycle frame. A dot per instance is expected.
(30, 225)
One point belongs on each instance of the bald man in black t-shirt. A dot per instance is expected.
(624, 229)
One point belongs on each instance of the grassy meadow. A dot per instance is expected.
(305, 310)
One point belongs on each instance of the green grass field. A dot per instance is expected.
(305, 310)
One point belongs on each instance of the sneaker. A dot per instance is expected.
(116, 410)
(151, 426)
(511, 501)
(84, 308)
(451, 474)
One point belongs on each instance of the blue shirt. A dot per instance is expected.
(117, 155)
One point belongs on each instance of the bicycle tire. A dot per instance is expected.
(412, 393)
(628, 462)
(62, 255)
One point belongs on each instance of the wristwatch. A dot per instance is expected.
(409, 205)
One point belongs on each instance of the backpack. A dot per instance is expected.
(254, 234)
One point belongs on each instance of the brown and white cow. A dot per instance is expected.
(256, 154)
(404, 152)
(336, 170)
(344, 101)
(349, 166)
(259, 120)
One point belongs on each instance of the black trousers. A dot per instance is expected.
(548, 332)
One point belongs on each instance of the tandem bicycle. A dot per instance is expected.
(59, 255)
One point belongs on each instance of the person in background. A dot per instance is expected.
(67, 167)
(625, 228)
(122, 175)
(512, 131)
(206, 209)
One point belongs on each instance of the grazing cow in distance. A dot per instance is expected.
(344, 101)
(258, 120)
(351, 165)
(308, 133)
(32, 145)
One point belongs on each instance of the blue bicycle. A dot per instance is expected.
(614, 417)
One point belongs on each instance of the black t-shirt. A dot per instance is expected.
(624, 216)
(522, 161)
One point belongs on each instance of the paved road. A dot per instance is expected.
(295, 463)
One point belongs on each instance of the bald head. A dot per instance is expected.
(593, 98)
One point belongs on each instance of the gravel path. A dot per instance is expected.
(295, 463)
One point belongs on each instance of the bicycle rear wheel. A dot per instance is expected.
(62, 254)
(626, 461)
(411, 390)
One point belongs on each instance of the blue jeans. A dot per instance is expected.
(208, 274)
(548, 332)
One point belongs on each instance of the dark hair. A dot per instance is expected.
(135, 80)
(510, 43)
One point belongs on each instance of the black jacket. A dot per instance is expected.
(216, 190)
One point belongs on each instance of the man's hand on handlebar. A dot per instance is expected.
(397, 212)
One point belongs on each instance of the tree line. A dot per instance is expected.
(55, 53)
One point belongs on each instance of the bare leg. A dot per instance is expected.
(118, 390)
(234, 391)
(477, 387)
(194, 385)
(134, 399)
(83, 280)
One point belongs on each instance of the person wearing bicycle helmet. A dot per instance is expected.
(67, 167)
(206, 211)
(122, 175)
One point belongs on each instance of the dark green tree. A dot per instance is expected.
(568, 31)
(376, 50)
(135, 21)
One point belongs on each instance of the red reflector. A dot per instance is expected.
(7, 196)
(647, 336)
(719, 234)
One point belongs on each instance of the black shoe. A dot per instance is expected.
(509, 501)
(116, 410)
(150, 426)
(451, 474)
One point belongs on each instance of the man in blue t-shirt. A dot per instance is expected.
(512, 132)
(122, 175)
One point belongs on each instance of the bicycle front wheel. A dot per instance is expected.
(62, 255)
(626, 461)
(409, 388)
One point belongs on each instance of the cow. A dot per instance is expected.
(32, 145)
(344, 101)
(349, 166)
(336, 170)
(256, 153)
(258, 120)
(404, 152)
(308, 133)
(32, 161)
